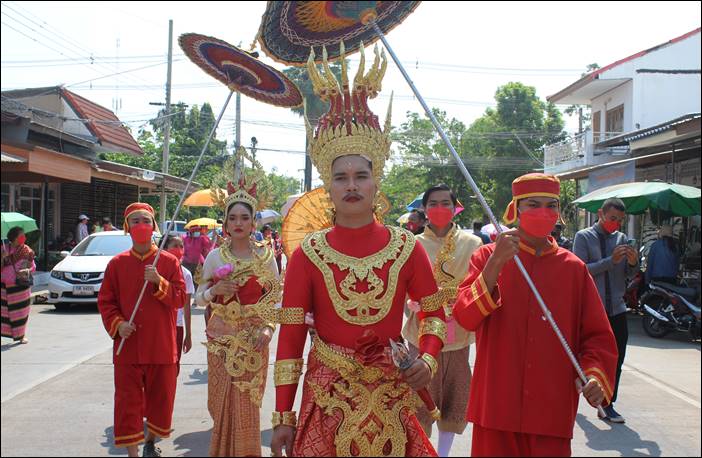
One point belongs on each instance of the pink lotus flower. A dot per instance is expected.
(222, 271)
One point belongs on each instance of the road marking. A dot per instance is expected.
(670, 390)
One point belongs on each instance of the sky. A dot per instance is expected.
(457, 54)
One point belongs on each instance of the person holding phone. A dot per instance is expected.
(610, 259)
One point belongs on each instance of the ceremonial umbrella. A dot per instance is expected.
(200, 222)
(240, 71)
(289, 29)
(286, 25)
(311, 212)
(11, 219)
(672, 199)
(201, 198)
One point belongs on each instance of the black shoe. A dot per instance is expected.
(151, 450)
(613, 415)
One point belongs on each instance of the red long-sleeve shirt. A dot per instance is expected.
(523, 380)
(305, 287)
(154, 341)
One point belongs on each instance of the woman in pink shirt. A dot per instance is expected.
(17, 267)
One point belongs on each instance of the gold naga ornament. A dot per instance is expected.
(349, 127)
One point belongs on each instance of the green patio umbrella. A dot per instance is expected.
(672, 199)
(10, 220)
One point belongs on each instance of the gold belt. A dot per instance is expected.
(348, 366)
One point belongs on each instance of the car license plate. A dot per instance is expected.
(83, 290)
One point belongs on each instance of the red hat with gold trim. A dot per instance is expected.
(531, 185)
(139, 207)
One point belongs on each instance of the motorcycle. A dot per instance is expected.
(669, 307)
(635, 289)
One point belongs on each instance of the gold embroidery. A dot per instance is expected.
(447, 283)
(433, 302)
(287, 371)
(372, 306)
(371, 416)
(239, 358)
(434, 326)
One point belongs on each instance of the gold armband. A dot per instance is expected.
(432, 303)
(433, 364)
(287, 371)
(284, 418)
(434, 326)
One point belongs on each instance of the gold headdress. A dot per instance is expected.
(247, 189)
(349, 127)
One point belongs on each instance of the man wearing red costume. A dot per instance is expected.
(523, 398)
(354, 278)
(145, 369)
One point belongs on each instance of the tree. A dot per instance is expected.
(499, 146)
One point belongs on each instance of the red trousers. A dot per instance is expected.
(143, 390)
(491, 442)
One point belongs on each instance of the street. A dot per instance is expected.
(57, 395)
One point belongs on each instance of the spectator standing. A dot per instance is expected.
(610, 260)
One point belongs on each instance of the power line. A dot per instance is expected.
(61, 36)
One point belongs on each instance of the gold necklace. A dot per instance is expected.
(379, 297)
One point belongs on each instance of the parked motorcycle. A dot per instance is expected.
(669, 307)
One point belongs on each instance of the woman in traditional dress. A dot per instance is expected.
(17, 267)
(240, 286)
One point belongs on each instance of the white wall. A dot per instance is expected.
(656, 97)
(661, 97)
(623, 94)
(77, 128)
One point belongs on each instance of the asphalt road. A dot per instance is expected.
(57, 395)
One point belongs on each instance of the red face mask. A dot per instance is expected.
(177, 252)
(440, 216)
(412, 227)
(538, 222)
(21, 239)
(141, 233)
(611, 226)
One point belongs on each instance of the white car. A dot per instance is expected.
(78, 277)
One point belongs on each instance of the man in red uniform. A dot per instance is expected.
(523, 398)
(354, 278)
(145, 369)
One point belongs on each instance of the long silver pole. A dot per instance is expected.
(177, 210)
(486, 208)
(167, 129)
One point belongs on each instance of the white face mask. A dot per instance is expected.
(196, 234)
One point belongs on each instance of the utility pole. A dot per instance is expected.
(167, 130)
(254, 142)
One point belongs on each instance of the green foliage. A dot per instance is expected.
(499, 146)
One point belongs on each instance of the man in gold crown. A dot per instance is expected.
(354, 278)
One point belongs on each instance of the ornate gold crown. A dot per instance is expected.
(349, 127)
(249, 194)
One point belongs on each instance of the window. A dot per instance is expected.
(596, 126)
(5, 207)
(615, 121)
